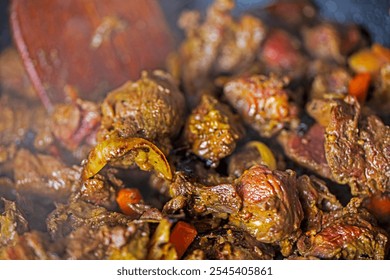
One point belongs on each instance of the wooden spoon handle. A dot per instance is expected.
(91, 45)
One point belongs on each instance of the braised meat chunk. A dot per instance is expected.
(307, 150)
(212, 130)
(229, 243)
(357, 149)
(262, 102)
(12, 223)
(44, 176)
(348, 233)
(151, 108)
(219, 45)
(75, 125)
(282, 53)
(253, 153)
(271, 209)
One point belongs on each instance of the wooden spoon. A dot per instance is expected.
(90, 45)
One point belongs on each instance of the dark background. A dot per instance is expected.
(373, 15)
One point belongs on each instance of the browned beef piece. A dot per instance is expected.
(240, 44)
(196, 169)
(262, 102)
(23, 122)
(380, 101)
(281, 53)
(151, 108)
(320, 109)
(323, 41)
(228, 243)
(200, 200)
(347, 233)
(74, 125)
(244, 159)
(108, 242)
(12, 223)
(218, 45)
(32, 245)
(316, 200)
(68, 217)
(293, 13)
(271, 211)
(357, 149)
(333, 81)
(7, 188)
(212, 130)
(101, 191)
(45, 176)
(333, 42)
(307, 150)
(7, 154)
(13, 76)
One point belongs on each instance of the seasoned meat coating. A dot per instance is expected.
(13, 76)
(262, 102)
(200, 200)
(271, 210)
(219, 45)
(12, 223)
(348, 233)
(253, 153)
(100, 191)
(75, 125)
(68, 217)
(380, 101)
(308, 149)
(323, 41)
(321, 109)
(24, 123)
(357, 149)
(44, 176)
(316, 200)
(335, 81)
(151, 108)
(32, 245)
(106, 242)
(282, 53)
(212, 130)
(229, 243)
(292, 13)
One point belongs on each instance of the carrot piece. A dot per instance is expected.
(125, 197)
(359, 85)
(182, 236)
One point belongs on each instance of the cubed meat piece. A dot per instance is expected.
(218, 45)
(212, 130)
(150, 108)
(229, 243)
(349, 233)
(262, 102)
(307, 150)
(282, 53)
(75, 124)
(44, 176)
(335, 81)
(271, 211)
(357, 149)
(323, 41)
